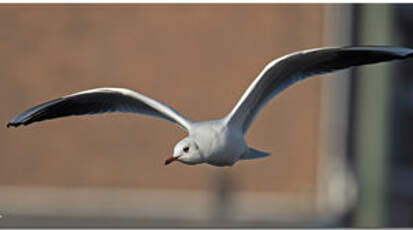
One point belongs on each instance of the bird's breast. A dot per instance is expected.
(224, 148)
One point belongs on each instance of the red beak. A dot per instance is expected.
(170, 160)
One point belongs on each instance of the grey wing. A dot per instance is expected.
(101, 100)
(285, 71)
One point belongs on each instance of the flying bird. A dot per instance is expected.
(217, 142)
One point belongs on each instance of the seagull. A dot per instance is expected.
(217, 142)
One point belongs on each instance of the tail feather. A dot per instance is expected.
(254, 154)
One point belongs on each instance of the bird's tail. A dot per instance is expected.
(253, 154)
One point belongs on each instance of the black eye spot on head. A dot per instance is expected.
(186, 149)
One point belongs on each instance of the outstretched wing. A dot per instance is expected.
(283, 72)
(101, 100)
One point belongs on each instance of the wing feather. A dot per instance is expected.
(285, 71)
(97, 101)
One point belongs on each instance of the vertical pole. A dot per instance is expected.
(337, 189)
(372, 116)
(223, 193)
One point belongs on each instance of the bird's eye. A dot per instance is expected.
(186, 149)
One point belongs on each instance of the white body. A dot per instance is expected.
(219, 144)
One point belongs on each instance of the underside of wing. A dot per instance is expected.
(285, 71)
(96, 101)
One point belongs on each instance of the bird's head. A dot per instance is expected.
(186, 151)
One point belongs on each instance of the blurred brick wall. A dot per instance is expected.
(197, 59)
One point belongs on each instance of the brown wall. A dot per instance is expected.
(198, 59)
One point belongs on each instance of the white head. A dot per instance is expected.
(186, 151)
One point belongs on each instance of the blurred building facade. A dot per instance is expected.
(107, 171)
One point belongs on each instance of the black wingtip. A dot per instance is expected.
(10, 124)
